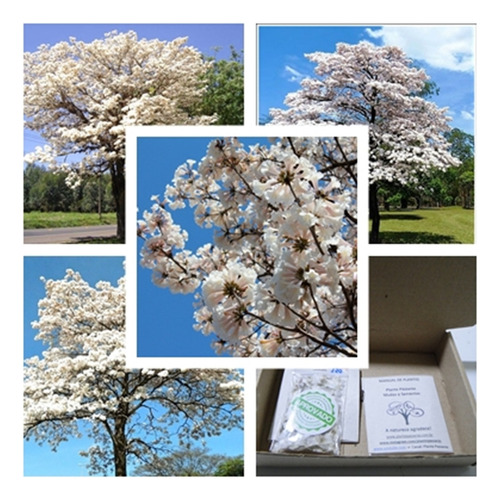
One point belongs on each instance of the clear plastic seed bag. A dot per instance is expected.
(312, 419)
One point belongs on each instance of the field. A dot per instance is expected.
(429, 225)
(38, 220)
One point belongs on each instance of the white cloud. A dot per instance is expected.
(446, 46)
(466, 115)
(293, 75)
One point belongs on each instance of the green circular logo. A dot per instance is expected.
(314, 412)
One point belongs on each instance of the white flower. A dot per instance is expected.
(229, 323)
(234, 283)
(288, 279)
(281, 315)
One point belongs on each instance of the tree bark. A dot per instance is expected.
(118, 186)
(374, 214)
(120, 441)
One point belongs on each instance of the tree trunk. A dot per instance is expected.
(120, 444)
(118, 186)
(374, 214)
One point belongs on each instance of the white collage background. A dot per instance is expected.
(484, 247)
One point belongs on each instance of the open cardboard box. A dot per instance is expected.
(413, 301)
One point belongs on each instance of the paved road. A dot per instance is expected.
(68, 234)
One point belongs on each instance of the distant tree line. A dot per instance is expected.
(454, 186)
(47, 191)
(193, 462)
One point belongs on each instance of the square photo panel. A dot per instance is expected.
(84, 84)
(248, 246)
(413, 86)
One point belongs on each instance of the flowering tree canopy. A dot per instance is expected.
(280, 278)
(80, 97)
(81, 384)
(380, 87)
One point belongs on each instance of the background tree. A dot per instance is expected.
(437, 187)
(80, 97)
(379, 87)
(81, 385)
(31, 177)
(224, 92)
(47, 191)
(280, 278)
(231, 467)
(189, 461)
(462, 146)
(96, 195)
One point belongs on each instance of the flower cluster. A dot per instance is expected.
(280, 278)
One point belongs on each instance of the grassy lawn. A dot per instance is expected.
(428, 225)
(38, 220)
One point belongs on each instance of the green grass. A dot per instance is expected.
(428, 225)
(39, 220)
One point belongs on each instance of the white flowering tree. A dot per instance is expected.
(280, 278)
(379, 87)
(81, 385)
(80, 97)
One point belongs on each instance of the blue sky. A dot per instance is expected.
(164, 319)
(445, 52)
(40, 460)
(205, 37)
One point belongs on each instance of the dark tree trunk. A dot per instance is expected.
(118, 186)
(374, 215)
(120, 442)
